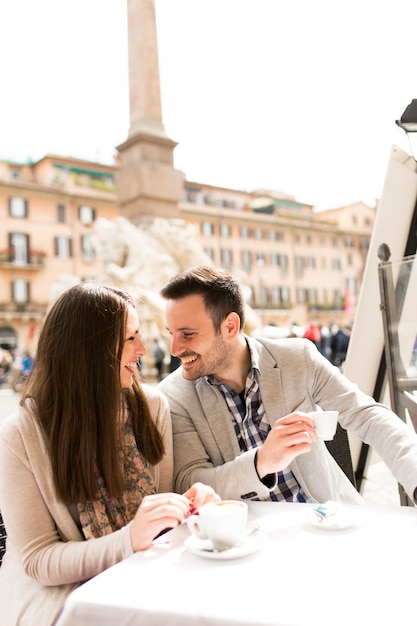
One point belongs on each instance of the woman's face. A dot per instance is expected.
(133, 348)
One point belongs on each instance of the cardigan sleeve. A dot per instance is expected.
(40, 529)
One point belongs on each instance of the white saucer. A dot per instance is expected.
(338, 519)
(203, 547)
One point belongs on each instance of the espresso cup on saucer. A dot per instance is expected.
(223, 523)
(325, 423)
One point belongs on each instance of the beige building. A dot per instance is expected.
(47, 212)
(299, 264)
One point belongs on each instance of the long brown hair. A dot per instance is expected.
(74, 391)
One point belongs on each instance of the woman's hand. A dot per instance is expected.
(155, 514)
(199, 494)
(166, 510)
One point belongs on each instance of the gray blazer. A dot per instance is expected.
(293, 376)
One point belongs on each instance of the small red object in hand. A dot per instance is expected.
(192, 510)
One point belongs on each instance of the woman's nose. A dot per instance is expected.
(140, 347)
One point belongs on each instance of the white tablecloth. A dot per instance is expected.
(300, 576)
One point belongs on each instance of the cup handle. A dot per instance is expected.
(194, 526)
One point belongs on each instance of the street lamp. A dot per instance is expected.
(408, 122)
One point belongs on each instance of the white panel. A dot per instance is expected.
(392, 225)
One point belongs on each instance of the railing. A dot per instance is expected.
(34, 259)
(34, 308)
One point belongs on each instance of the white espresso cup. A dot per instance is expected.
(223, 522)
(325, 423)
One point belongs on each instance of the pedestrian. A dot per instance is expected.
(158, 353)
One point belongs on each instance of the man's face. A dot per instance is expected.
(193, 339)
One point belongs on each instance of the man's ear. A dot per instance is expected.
(232, 325)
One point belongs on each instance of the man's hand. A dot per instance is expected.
(290, 436)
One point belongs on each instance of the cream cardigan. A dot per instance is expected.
(46, 555)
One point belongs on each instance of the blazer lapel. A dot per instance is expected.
(270, 384)
(220, 423)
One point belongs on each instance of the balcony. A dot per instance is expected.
(35, 310)
(35, 259)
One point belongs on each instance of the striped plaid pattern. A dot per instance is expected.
(251, 428)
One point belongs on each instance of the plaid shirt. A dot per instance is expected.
(252, 427)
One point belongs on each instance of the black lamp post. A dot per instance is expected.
(408, 120)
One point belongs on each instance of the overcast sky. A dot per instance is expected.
(297, 96)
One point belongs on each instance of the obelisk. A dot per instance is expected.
(148, 185)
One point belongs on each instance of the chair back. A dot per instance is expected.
(339, 448)
(3, 537)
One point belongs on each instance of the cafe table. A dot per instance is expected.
(294, 571)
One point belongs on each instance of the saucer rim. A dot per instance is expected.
(248, 546)
(325, 525)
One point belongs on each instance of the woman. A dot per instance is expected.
(88, 456)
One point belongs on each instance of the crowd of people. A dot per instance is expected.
(332, 342)
(14, 368)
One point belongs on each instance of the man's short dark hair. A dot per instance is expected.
(221, 292)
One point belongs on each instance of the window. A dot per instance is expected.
(244, 232)
(363, 245)
(280, 296)
(311, 296)
(226, 258)
(18, 207)
(299, 265)
(276, 235)
(263, 295)
(280, 260)
(87, 248)
(258, 233)
(20, 291)
(246, 260)
(87, 215)
(61, 213)
(337, 297)
(207, 229)
(19, 244)
(300, 295)
(225, 230)
(194, 196)
(63, 248)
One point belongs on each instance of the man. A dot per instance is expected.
(240, 406)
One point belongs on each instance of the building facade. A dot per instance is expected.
(297, 264)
